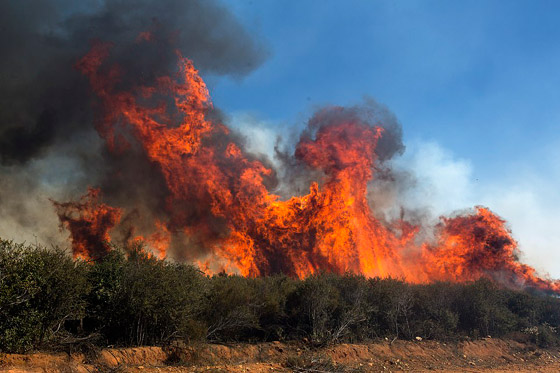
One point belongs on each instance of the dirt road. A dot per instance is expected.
(488, 355)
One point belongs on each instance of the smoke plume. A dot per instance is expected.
(49, 147)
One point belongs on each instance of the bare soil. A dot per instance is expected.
(487, 355)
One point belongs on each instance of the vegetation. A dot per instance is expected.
(130, 298)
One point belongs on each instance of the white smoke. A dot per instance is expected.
(526, 199)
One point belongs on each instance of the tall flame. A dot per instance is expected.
(212, 183)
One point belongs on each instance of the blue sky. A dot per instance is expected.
(480, 77)
(474, 84)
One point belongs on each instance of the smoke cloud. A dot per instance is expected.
(48, 144)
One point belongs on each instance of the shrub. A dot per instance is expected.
(483, 310)
(139, 299)
(391, 303)
(273, 292)
(434, 312)
(231, 308)
(41, 291)
(312, 307)
(327, 308)
(130, 298)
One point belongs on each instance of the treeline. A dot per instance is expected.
(49, 300)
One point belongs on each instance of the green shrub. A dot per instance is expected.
(391, 303)
(326, 308)
(232, 308)
(435, 316)
(273, 292)
(138, 299)
(483, 310)
(130, 298)
(41, 291)
(546, 336)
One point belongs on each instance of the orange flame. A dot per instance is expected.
(212, 183)
(89, 222)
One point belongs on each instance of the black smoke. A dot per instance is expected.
(43, 98)
(47, 110)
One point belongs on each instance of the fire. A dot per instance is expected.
(90, 223)
(479, 245)
(217, 196)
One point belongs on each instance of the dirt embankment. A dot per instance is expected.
(489, 355)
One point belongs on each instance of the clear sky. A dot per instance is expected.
(474, 84)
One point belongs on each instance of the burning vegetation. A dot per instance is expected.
(216, 205)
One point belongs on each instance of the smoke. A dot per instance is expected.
(425, 183)
(48, 144)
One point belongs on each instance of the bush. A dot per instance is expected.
(273, 292)
(231, 308)
(436, 316)
(138, 299)
(483, 310)
(130, 298)
(41, 291)
(391, 304)
(327, 308)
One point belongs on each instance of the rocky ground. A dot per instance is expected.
(487, 355)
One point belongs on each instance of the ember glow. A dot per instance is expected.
(219, 196)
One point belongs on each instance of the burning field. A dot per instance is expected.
(218, 207)
(169, 172)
